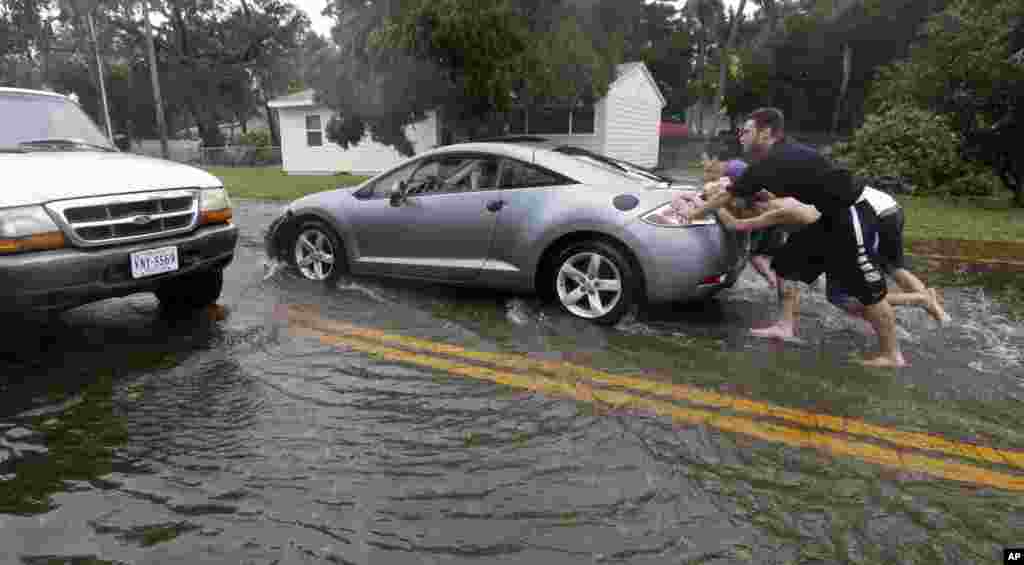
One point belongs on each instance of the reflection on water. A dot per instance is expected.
(235, 440)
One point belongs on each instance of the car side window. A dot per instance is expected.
(431, 176)
(383, 186)
(475, 174)
(516, 174)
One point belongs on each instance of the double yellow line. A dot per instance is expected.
(566, 379)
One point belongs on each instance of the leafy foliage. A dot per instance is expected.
(471, 60)
(907, 142)
(255, 138)
(965, 69)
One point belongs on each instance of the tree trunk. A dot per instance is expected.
(723, 63)
(99, 74)
(161, 121)
(843, 86)
(275, 135)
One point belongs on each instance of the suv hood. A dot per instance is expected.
(42, 176)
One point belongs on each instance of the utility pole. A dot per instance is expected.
(157, 98)
(99, 73)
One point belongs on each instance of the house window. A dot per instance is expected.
(583, 118)
(552, 120)
(314, 131)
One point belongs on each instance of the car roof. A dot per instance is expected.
(543, 154)
(7, 89)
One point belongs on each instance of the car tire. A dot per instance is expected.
(594, 280)
(192, 291)
(316, 252)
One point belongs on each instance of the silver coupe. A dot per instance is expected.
(596, 234)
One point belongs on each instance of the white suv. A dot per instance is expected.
(80, 221)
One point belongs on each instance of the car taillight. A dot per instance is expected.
(714, 279)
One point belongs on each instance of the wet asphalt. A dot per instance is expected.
(397, 422)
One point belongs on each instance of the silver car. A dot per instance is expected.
(595, 233)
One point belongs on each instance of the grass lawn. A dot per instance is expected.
(932, 217)
(270, 183)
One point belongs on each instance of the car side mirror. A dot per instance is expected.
(397, 194)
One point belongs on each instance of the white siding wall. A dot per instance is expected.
(368, 157)
(634, 111)
(592, 141)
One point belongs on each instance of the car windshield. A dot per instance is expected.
(39, 121)
(618, 165)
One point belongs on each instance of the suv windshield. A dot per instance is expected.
(32, 121)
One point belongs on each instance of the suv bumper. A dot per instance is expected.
(65, 278)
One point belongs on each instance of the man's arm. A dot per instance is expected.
(717, 201)
(782, 211)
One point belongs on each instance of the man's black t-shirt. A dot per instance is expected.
(796, 170)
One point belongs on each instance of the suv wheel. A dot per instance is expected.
(595, 281)
(192, 291)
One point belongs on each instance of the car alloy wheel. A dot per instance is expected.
(317, 252)
(594, 282)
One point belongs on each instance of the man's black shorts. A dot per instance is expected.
(890, 240)
(839, 245)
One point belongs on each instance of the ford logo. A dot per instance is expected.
(142, 220)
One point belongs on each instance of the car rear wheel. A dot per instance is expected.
(594, 280)
(192, 291)
(317, 252)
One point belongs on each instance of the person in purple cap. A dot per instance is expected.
(764, 242)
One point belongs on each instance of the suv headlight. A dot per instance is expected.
(28, 228)
(669, 216)
(214, 206)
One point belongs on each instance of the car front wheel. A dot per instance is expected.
(595, 281)
(317, 252)
(192, 291)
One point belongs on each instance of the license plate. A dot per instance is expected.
(154, 261)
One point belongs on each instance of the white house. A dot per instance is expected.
(305, 149)
(623, 124)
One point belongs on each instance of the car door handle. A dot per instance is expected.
(495, 205)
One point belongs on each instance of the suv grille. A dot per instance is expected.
(108, 220)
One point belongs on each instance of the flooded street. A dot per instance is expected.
(395, 422)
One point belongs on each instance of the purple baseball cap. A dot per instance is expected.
(734, 168)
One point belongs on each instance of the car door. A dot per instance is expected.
(374, 247)
(527, 193)
(442, 228)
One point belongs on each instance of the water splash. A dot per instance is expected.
(518, 312)
(359, 288)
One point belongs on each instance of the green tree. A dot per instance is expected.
(966, 67)
(471, 60)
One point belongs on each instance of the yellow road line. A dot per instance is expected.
(835, 445)
(916, 440)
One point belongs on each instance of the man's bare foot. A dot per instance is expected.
(885, 361)
(778, 330)
(935, 309)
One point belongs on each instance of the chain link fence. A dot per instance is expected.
(191, 152)
(239, 156)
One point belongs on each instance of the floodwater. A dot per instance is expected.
(394, 422)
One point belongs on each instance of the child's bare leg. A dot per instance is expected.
(762, 264)
(914, 292)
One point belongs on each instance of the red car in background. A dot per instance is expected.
(673, 129)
